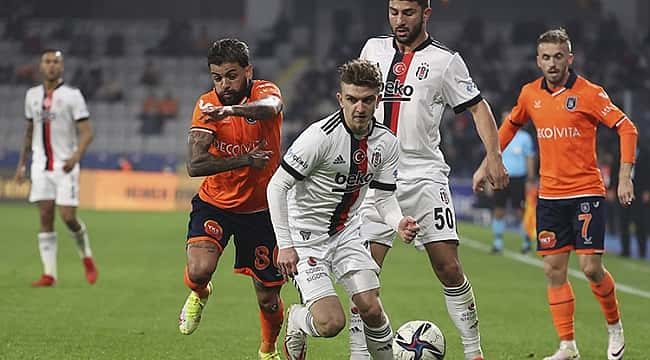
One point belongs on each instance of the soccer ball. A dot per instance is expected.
(419, 340)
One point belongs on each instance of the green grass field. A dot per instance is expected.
(131, 313)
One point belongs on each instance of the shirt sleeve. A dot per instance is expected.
(458, 88)
(276, 192)
(304, 154)
(602, 108)
(79, 108)
(198, 118)
(263, 89)
(386, 178)
(28, 109)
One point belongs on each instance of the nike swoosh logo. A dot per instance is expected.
(619, 352)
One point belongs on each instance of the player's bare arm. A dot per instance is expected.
(625, 185)
(202, 163)
(262, 109)
(494, 171)
(25, 150)
(85, 138)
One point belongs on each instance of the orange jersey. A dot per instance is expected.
(241, 190)
(566, 121)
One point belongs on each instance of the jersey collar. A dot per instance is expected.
(345, 126)
(568, 85)
(428, 41)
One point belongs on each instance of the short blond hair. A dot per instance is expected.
(555, 36)
(361, 73)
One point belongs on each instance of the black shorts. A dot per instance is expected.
(571, 224)
(256, 250)
(515, 192)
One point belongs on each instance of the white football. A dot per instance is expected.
(419, 340)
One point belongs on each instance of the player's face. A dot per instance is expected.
(407, 20)
(231, 81)
(359, 104)
(52, 65)
(554, 60)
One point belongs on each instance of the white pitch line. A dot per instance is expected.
(477, 245)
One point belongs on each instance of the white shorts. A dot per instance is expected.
(342, 257)
(55, 185)
(428, 202)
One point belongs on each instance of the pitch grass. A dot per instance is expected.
(131, 313)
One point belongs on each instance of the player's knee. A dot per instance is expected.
(199, 273)
(331, 326)
(450, 273)
(553, 271)
(269, 304)
(373, 314)
(593, 272)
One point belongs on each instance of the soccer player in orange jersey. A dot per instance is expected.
(234, 141)
(566, 110)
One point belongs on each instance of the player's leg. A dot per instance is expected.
(498, 219)
(43, 193)
(47, 244)
(377, 329)
(554, 243)
(459, 295)
(438, 234)
(271, 318)
(208, 233)
(255, 251)
(320, 314)
(79, 233)
(590, 244)
(379, 238)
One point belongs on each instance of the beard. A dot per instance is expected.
(234, 97)
(411, 35)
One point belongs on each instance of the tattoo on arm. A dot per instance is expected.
(265, 108)
(202, 163)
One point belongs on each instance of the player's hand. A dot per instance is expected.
(19, 177)
(288, 262)
(70, 163)
(497, 175)
(480, 178)
(217, 113)
(258, 157)
(625, 192)
(408, 228)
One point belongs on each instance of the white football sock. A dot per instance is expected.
(358, 347)
(462, 310)
(380, 340)
(47, 247)
(82, 241)
(305, 321)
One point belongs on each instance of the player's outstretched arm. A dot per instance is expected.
(495, 172)
(25, 150)
(276, 193)
(628, 137)
(202, 163)
(262, 109)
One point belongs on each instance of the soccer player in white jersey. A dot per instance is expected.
(314, 199)
(58, 134)
(421, 77)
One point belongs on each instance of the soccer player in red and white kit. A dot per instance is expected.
(58, 134)
(566, 110)
(421, 77)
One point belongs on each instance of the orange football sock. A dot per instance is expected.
(200, 289)
(605, 292)
(562, 302)
(271, 324)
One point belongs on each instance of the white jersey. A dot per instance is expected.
(55, 115)
(334, 170)
(417, 86)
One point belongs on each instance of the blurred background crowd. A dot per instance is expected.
(142, 68)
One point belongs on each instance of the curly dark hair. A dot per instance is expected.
(229, 51)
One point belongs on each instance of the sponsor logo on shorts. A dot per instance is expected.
(444, 196)
(311, 261)
(305, 234)
(585, 207)
(213, 229)
(547, 239)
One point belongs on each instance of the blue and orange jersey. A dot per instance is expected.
(241, 190)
